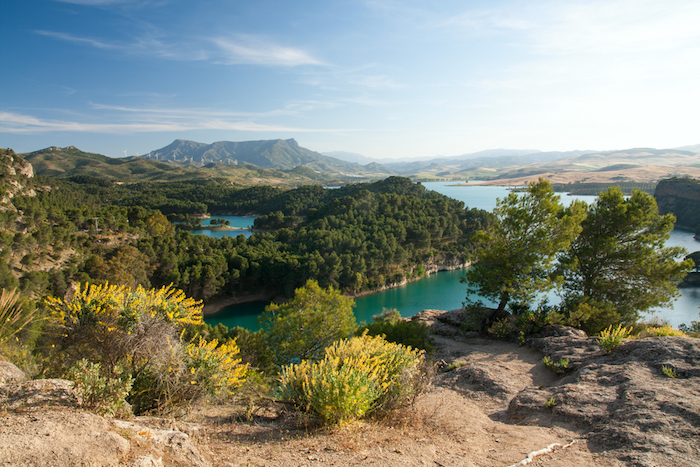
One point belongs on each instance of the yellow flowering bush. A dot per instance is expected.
(141, 331)
(357, 376)
(661, 331)
(215, 368)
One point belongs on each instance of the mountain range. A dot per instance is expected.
(285, 162)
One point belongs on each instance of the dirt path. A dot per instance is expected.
(457, 423)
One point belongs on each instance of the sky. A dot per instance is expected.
(388, 79)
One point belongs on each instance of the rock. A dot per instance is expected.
(625, 402)
(9, 373)
(173, 447)
(59, 437)
(38, 393)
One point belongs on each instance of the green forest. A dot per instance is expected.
(359, 237)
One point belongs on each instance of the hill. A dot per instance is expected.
(629, 165)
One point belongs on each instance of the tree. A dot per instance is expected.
(302, 327)
(618, 266)
(516, 256)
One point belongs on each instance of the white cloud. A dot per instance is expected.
(259, 51)
(78, 40)
(27, 124)
(243, 50)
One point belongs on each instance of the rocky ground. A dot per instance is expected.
(486, 407)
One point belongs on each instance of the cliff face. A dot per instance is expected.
(15, 174)
(680, 196)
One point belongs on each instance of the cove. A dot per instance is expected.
(444, 291)
(240, 222)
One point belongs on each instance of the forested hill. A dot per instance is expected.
(680, 196)
(270, 154)
(355, 238)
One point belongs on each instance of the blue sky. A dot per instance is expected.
(383, 78)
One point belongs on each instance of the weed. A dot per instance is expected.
(612, 337)
(669, 371)
(551, 402)
(13, 316)
(558, 367)
(453, 366)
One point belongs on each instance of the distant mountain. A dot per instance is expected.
(271, 154)
(693, 148)
(349, 157)
(72, 163)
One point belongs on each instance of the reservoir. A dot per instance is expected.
(444, 291)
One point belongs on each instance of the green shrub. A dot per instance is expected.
(393, 328)
(304, 326)
(692, 329)
(102, 394)
(501, 328)
(612, 337)
(357, 376)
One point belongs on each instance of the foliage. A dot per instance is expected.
(516, 257)
(13, 316)
(551, 403)
(140, 331)
(102, 394)
(693, 328)
(357, 376)
(612, 337)
(304, 326)
(393, 328)
(618, 265)
(558, 367)
(660, 331)
(669, 371)
(214, 368)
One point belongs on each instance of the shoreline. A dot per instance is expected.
(216, 306)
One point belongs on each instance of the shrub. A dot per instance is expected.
(692, 329)
(393, 328)
(660, 331)
(357, 376)
(141, 331)
(612, 337)
(97, 392)
(307, 324)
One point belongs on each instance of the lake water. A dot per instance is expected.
(443, 291)
(243, 222)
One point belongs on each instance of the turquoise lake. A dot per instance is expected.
(444, 291)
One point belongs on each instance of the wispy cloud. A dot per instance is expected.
(238, 50)
(95, 2)
(245, 49)
(11, 122)
(78, 40)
